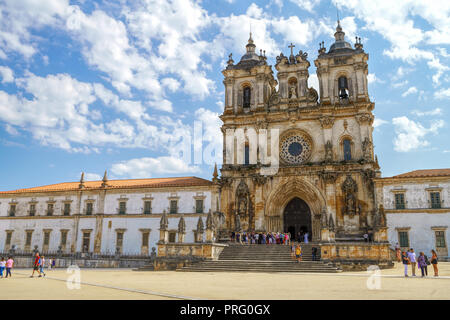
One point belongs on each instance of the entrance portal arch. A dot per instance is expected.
(297, 218)
(284, 192)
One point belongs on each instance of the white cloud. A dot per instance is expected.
(411, 135)
(442, 94)
(372, 78)
(313, 81)
(307, 5)
(410, 91)
(6, 74)
(152, 167)
(434, 112)
(379, 122)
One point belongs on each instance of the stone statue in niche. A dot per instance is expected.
(243, 211)
(350, 188)
(292, 92)
(328, 151)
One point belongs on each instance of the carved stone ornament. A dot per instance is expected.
(328, 177)
(324, 219)
(259, 179)
(367, 149)
(364, 118)
(181, 225)
(326, 122)
(164, 222)
(312, 95)
(328, 151)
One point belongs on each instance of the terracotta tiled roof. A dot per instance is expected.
(119, 184)
(425, 173)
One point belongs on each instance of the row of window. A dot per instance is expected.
(403, 239)
(435, 200)
(86, 239)
(89, 208)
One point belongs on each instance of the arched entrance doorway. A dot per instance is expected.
(297, 218)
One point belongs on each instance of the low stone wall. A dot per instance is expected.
(198, 250)
(357, 256)
(27, 262)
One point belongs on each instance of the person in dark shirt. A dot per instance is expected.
(405, 261)
(314, 253)
(36, 264)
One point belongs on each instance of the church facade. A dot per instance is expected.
(322, 143)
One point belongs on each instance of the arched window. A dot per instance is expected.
(246, 98)
(347, 149)
(343, 87)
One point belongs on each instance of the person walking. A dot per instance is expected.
(42, 265)
(434, 262)
(413, 261)
(9, 266)
(422, 264)
(36, 264)
(405, 261)
(2, 267)
(293, 251)
(298, 253)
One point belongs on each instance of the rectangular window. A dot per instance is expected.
(147, 207)
(32, 210)
(50, 209)
(172, 237)
(86, 241)
(63, 238)
(399, 201)
(8, 238)
(145, 238)
(198, 206)
(89, 208)
(122, 207)
(173, 206)
(28, 238)
(435, 200)
(46, 238)
(12, 210)
(403, 239)
(440, 239)
(66, 209)
(119, 239)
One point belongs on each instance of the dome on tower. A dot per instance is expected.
(340, 45)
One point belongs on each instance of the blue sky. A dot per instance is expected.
(117, 85)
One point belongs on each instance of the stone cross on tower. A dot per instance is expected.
(292, 49)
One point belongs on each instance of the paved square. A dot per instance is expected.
(128, 284)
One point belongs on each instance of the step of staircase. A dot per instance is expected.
(262, 258)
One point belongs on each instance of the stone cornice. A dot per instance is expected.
(418, 210)
(128, 215)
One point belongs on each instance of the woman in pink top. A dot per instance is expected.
(9, 265)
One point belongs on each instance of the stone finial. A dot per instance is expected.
(200, 226)
(164, 222)
(210, 221)
(331, 223)
(105, 179)
(81, 185)
(181, 226)
(215, 174)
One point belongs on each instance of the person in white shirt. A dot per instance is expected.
(412, 259)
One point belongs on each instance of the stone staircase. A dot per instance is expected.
(262, 258)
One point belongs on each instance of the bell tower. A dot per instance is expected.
(342, 71)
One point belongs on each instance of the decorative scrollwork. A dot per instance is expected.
(295, 148)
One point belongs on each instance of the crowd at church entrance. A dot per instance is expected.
(268, 237)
